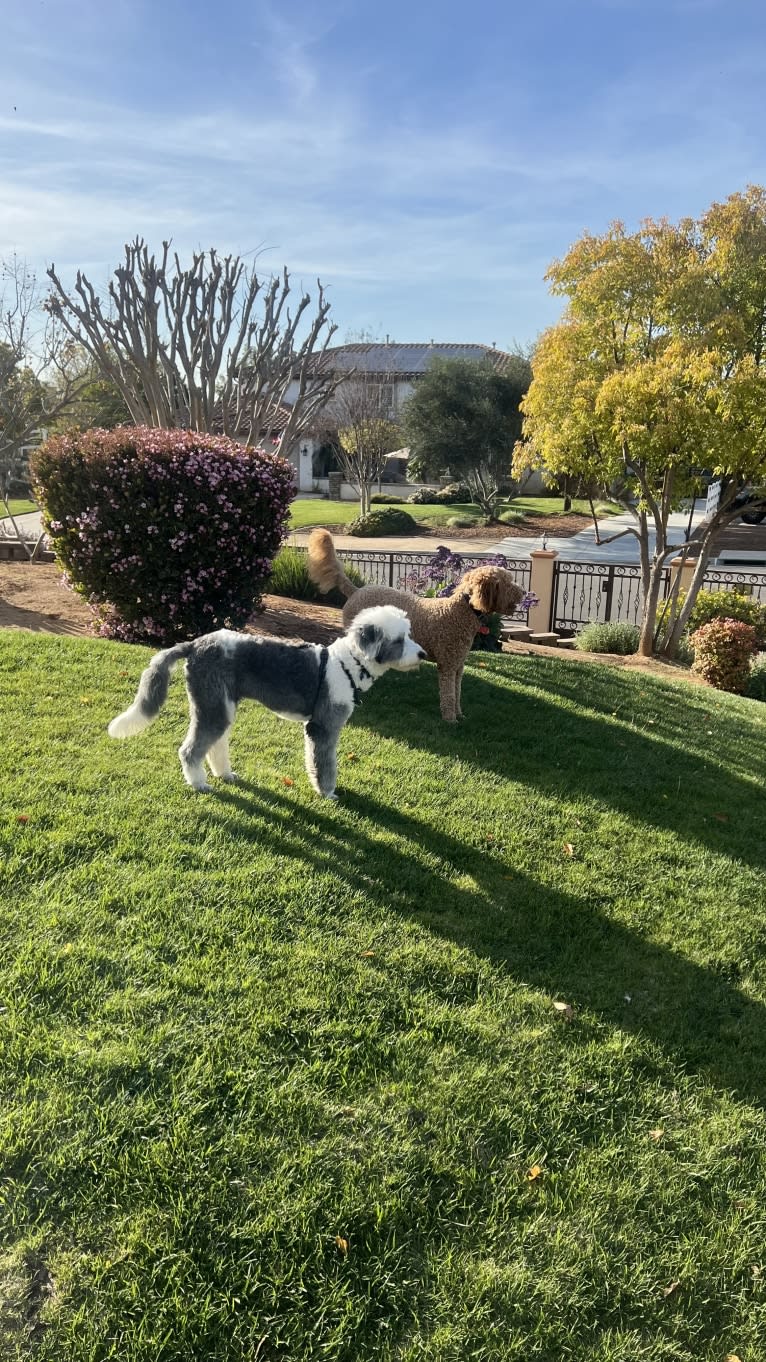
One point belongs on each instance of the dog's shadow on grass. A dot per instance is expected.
(570, 730)
(562, 944)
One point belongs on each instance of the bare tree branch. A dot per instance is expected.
(361, 410)
(39, 378)
(187, 348)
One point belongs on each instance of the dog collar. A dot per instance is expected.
(480, 614)
(358, 692)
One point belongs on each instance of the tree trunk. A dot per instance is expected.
(651, 599)
(670, 645)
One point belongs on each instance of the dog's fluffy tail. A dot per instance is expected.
(151, 694)
(324, 566)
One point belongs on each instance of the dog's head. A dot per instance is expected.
(492, 590)
(381, 636)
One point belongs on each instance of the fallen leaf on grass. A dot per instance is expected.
(670, 1288)
(288, 780)
(534, 1172)
(352, 756)
(342, 1244)
(656, 1134)
(731, 1357)
(564, 1010)
(367, 955)
(86, 699)
(722, 817)
(569, 849)
(22, 817)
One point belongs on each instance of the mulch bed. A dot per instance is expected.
(560, 526)
(33, 596)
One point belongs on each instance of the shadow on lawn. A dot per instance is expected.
(599, 743)
(556, 942)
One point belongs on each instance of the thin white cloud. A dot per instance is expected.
(394, 212)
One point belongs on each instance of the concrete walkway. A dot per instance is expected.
(582, 546)
(30, 525)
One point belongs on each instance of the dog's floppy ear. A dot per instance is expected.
(368, 637)
(486, 595)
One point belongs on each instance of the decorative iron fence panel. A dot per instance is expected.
(381, 567)
(585, 593)
(734, 579)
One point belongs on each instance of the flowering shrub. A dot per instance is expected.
(422, 496)
(453, 493)
(168, 533)
(723, 652)
(729, 605)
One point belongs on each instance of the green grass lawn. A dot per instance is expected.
(314, 511)
(17, 507)
(285, 1079)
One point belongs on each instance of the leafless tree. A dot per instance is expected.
(212, 347)
(362, 411)
(39, 379)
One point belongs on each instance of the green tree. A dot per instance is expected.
(464, 419)
(98, 401)
(655, 372)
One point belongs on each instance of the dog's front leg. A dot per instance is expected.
(322, 757)
(447, 695)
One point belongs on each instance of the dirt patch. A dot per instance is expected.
(652, 666)
(33, 596)
(284, 618)
(561, 526)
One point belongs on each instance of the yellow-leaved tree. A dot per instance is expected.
(655, 376)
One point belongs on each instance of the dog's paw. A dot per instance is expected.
(204, 788)
(231, 777)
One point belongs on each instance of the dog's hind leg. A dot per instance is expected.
(206, 731)
(218, 759)
(322, 757)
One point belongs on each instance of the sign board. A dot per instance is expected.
(713, 498)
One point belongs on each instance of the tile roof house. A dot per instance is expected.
(398, 365)
(408, 361)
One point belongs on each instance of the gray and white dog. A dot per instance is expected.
(313, 685)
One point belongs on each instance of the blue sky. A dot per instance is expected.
(426, 161)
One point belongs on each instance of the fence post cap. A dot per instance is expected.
(544, 553)
(681, 562)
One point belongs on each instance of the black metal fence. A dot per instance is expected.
(585, 593)
(397, 569)
(733, 579)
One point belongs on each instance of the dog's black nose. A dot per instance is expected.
(422, 655)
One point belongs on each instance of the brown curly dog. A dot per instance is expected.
(444, 626)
